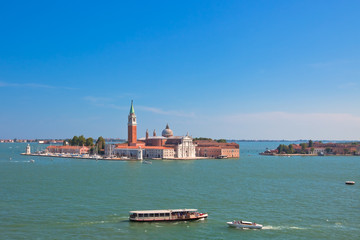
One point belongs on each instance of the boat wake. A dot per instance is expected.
(16, 161)
(282, 228)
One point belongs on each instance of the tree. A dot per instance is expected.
(303, 147)
(89, 142)
(311, 143)
(282, 148)
(82, 140)
(100, 143)
(221, 141)
(74, 141)
(201, 138)
(312, 150)
(328, 150)
(291, 149)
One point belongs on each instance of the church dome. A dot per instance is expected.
(167, 132)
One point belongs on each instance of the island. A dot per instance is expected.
(315, 148)
(164, 146)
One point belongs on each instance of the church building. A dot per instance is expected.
(166, 146)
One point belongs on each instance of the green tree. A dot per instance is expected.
(100, 143)
(82, 140)
(328, 150)
(74, 141)
(201, 138)
(311, 144)
(89, 142)
(221, 141)
(303, 147)
(282, 148)
(291, 149)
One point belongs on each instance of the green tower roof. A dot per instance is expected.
(132, 108)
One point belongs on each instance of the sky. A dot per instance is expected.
(220, 69)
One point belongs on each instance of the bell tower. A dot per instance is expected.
(132, 137)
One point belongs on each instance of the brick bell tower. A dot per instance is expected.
(132, 126)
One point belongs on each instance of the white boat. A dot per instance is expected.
(166, 215)
(244, 224)
(350, 182)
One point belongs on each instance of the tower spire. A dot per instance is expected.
(132, 136)
(132, 108)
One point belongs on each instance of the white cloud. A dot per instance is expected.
(104, 102)
(32, 85)
(164, 112)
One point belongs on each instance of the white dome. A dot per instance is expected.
(167, 132)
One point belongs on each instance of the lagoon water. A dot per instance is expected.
(293, 197)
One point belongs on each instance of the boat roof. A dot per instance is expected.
(246, 222)
(165, 211)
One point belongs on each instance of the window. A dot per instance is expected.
(151, 215)
(167, 214)
(146, 215)
(141, 215)
(156, 215)
(162, 214)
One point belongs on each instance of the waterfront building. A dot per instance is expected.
(214, 149)
(165, 146)
(68, 149)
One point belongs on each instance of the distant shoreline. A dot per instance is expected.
(117, 159)
(228, 140)
(307, 155)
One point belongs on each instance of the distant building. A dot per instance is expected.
(28, 149)
(214, 149)
(165, 146)
(68, 149)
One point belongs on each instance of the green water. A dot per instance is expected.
(294, 198)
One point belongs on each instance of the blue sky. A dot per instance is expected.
(219, 69)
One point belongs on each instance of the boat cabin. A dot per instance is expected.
(165, 215)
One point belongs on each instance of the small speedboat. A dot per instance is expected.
(350, 182)
(244, 224)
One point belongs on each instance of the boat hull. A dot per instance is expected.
(249, 226)
(170, 220)
(349, 182)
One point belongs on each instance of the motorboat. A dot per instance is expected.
(166, 215)
(244, 224)
(350, 182)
